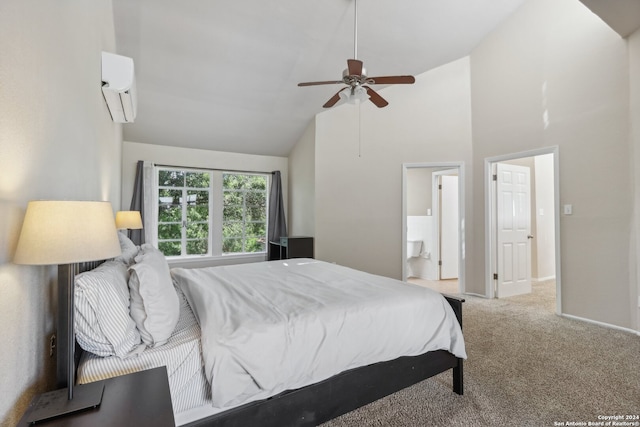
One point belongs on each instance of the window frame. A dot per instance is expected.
(216, 213)
(244, 192)
(184, 209)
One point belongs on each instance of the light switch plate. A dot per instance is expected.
(567, 209)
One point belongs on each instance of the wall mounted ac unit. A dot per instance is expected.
(119, 87)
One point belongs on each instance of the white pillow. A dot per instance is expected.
(155, 306)
(102, 322)
(128, 248)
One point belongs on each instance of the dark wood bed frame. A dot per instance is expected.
(323, 401)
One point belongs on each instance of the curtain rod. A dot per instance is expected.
(213, 169)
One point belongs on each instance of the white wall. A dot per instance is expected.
(419, 191)
(359, 176)
(634, 74)
(301, 218)
(555, 74)
(57, 141)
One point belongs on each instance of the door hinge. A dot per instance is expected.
(495, 276)
(439, 186)
(495, 177)
(439, 262)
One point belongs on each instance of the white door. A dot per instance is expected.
(449, 236)
(514, 230)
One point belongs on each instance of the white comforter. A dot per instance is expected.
(279, 325)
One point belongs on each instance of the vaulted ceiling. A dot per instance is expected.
(222, 75)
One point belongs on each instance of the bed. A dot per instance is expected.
(202, 363)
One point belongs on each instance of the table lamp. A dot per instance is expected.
(128, 220)
(67, 233)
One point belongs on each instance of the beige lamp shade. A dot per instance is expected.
(65, 232)
(128, 219)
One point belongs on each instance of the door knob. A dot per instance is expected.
(529, 236)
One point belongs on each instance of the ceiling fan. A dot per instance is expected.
(356, 79)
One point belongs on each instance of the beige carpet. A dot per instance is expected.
(526, 367)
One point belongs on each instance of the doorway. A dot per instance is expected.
(522, 224)
(432, 218)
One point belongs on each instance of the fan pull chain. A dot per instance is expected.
(359, 129)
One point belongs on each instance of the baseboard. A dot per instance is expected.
(606, 325)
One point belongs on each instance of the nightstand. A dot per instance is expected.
(292, 247)
(138, 399)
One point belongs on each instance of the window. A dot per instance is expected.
(244, 221)
(183, 212)
(202, 212)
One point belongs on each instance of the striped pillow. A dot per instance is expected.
(103, 325)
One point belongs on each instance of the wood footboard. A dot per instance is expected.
(458, 377)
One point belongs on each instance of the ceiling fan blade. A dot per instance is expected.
(355, 67)
(375, 98)
(328, 82)
(332, 101)
(390, 80)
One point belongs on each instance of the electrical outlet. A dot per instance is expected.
(52, 345)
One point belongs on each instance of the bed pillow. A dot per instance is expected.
(155, 306)
(128, 248)
(103, 325)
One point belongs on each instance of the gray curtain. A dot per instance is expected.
(277, 222)
(137, 203)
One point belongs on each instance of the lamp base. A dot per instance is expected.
(56, 403)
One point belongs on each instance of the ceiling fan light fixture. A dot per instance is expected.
(360, 94)
(354, 95)
(345, 94)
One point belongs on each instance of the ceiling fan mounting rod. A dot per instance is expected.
(355, 29)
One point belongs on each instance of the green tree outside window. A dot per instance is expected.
(186, 206)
